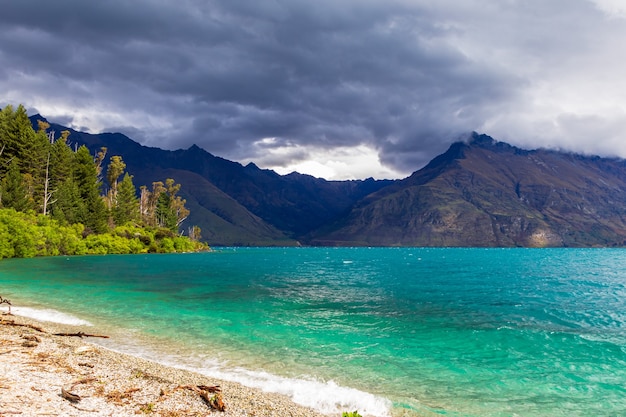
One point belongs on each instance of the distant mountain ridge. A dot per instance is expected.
(234, 204)
(489, 193)
(480, 192)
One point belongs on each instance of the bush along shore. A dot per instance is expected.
(26, 235)
(54, 199)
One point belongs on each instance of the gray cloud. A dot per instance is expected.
(404, 78)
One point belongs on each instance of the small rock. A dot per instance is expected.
(31, 338)
(70, 396)
(83, 349)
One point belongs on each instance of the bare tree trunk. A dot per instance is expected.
(46, 196)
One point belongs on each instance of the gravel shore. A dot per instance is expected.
(46, 375)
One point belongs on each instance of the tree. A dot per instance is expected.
(14, 193)
(98, 160)
(69, 207)
(37, 165)
(195, 233)
(176, 202)
(165, 214)
(162, 207)
(148, 203)
(144, 204)
(43, 127)
(85, 175)
(127, 205)
(47, 194)
(26, 147)
(17, 136)
(114, 170)
(61, 159)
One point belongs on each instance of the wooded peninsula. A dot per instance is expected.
(54, 199)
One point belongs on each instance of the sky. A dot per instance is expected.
(339, 89)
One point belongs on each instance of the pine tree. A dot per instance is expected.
(14, 193)
(17, 136)
(165, 214)
(61, 159)
(69, 207)
(127, 205)
(85, 175)
(36, 164)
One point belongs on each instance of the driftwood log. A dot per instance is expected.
(70, 396)
(214, 401)
(7, 302)
(80, 334)
(39, 329)
(30, 326)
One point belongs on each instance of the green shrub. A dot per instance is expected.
(162, 233)
(6, 245)
(72, 242)
(167, 245)
(107, 243)
(20, 233)
(25, 235)
(351, 414)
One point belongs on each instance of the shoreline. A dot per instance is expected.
(36, 366)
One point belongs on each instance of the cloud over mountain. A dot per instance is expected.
(288, 82)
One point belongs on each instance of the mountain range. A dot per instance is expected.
(479, 193)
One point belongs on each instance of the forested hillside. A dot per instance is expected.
(53, 200)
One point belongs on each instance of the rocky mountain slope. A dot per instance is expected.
(488, 193)
(234, 204)
(479, 193)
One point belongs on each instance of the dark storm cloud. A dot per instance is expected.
(403, 77)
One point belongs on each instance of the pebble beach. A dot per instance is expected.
(42, 374)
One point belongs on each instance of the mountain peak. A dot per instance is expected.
(197, 149)
(457, 149)
(38, 116)
(481, 140)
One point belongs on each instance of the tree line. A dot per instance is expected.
(43, 177)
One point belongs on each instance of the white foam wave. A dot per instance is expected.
(49, 315)
(326, 397)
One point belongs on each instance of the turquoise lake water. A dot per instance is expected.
(387, 331)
